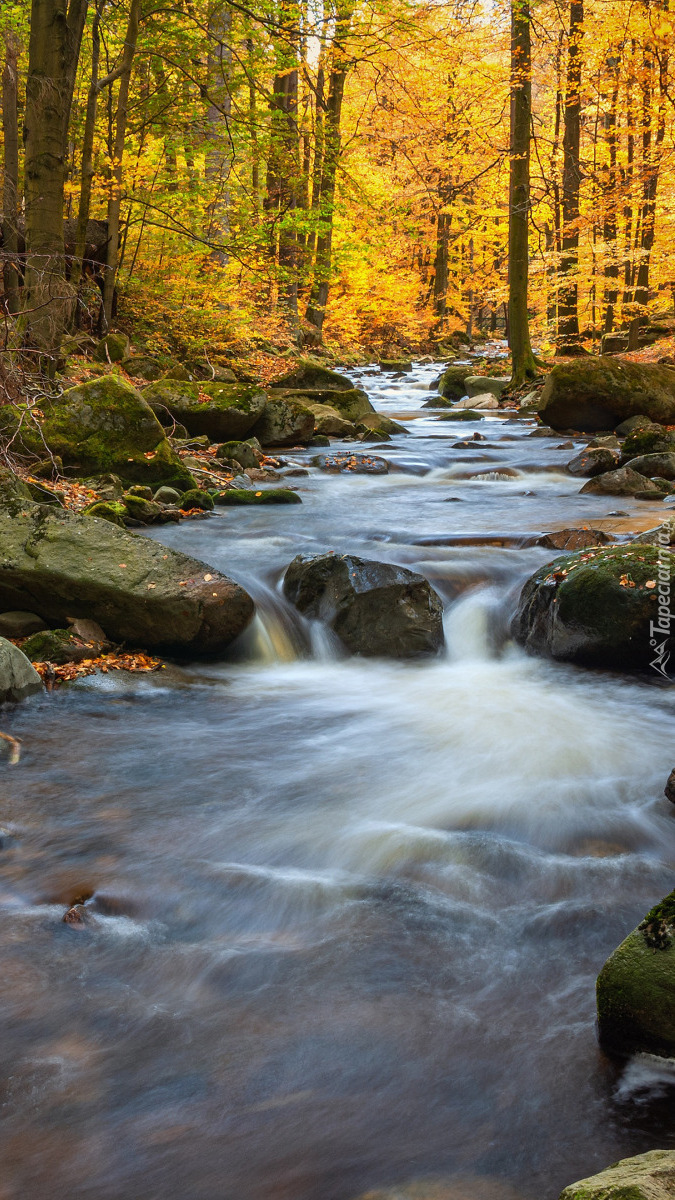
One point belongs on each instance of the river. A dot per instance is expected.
(348, 913)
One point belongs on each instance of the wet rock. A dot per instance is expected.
(477, 402)
(596, 607)
(309, 375)
(636, 988)
(402, 365)
(381, 425)
(99, 426)
(593, 461)
(592, 394)
(609, 441)
(376, 609)
(479, 385)
(62, 565)
(451, 384)
(649, 1176)
(622, 482)
(543, 431)
(270, 496)
(572, 539)
(352, 405)
(632, 424)
(284, 421)
(222, 411)
(18, 677)
(461, 414)
(196, 499)
(351, 464)
(246, 454)
(662, 465)
(20, 624)
(650, 439)
(669, 790)
(167, 495)
(114, 347)
(662, 535)
(78, 917)
(327, 420)
(59, 646)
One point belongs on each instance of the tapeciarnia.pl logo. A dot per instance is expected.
(659, 630)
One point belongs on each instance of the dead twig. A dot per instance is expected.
(14, 748)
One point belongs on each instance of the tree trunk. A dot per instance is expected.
(316, 308)
(87, 168)
(115, 200)
(652, 152)
(523, 365)
(568, 301)
(609, 227)
(10, 190)
(219, 154)
(54, 48)
(283, 171)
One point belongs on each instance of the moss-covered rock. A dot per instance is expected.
(478, 385)
(108, 510)
(653, 439)
(15, 495)
(167, 495)
(597, 607)
(61, 565)
(328, 420)
(142, 366)
(352, 404)
(59, 646)
(222, 411)
(99, 426)
(247, 454)
(141, 509)
(632, 424)
(397, 365)
(114, 347)
(376, 609)
(592, 461)
(284, 421)
(636, 987)
(381, 424)
(451, 385)
(598, 393)
(195, 498)
(236, 496)
(649, 1176)
(310, 375)
(461, 414)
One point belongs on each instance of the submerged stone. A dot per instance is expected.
(636, 987)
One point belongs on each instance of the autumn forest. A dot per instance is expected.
(337, 173)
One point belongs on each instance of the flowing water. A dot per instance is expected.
(348, 913)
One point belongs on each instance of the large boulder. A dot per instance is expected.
(309, 375)
(451, 384)
(60, 565)
(327, 420)
(478, 385)
(662, 465)
(18, 677)
(599, 393)
(598, 607)
(284, 421)
(352, 404)
(594, 460)
(113, 348)
(622, 482)
(376, 609)
(636, 988)
(649, 439)
(101, 426)
(649, 1176)
(222, 411)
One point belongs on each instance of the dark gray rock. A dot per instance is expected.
(376, 609)
(593, 461)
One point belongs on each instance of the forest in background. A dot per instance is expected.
(335, 172)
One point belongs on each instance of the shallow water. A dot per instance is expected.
(349, 914)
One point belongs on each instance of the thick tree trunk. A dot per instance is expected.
(441, 273)
(54, 48)
(568, 299)
(523, 364)
(283, 178)
(115, 200)
(10, 189)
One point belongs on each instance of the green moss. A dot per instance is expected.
(653, 440)
(55, 646)
(108, 510)
(658, 926)
(194, 498)
(272, 496)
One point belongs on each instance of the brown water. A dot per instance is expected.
(347, 915)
